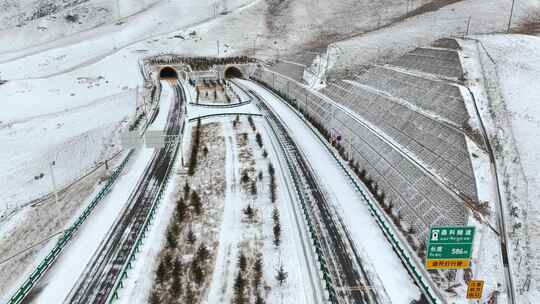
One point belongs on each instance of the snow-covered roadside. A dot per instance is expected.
(21, 236)
(486, 262)
(59, 280)
(303, 267)
(379, 257)
(166, 100)
(94, 84)
(139, 283)
(207, 183)
(503, 81)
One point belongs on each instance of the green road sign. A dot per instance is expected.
(449, 243)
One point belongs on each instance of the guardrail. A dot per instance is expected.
(388, 229)
(223, 114)
(142, 234)
(220, 105)
(119, 283)
(51, 257)
(307, 217)
(33, 202)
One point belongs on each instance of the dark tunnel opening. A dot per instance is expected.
(168, 73)
(233, 72)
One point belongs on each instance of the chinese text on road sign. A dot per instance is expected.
(449, 247)
(475, 289)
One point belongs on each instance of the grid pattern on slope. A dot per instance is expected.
(305, 58)
(447, 43)
(418, 199)
(441, 148)
(436, 97)
(293, 71)
(406, 184)
(433, 61)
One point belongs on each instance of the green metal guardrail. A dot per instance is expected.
(220, 105)
(380, 219)
(119, 284)
(313, 235)
(223, 114)
(51, 257)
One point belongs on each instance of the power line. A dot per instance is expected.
(30, 247)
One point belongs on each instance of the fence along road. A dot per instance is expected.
(349, 282)
(106, 267)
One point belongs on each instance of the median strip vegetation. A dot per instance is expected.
(186, 260)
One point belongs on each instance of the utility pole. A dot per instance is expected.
(217, 42)
(468, 25)
(511, 15)
(117, 10)
(305, 104)
(254, 45)
(137, 105)
(51, 164)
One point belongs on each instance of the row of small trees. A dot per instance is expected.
(199, 63)
(273, 185)
(242, 282)
(243, 291)
(177, 281)
(241, 285)
(135, 124)
(195, 142)
(362, 174)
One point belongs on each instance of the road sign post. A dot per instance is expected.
(449, 247)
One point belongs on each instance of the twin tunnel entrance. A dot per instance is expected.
(171, 73)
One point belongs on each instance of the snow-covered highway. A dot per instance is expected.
(388, 276)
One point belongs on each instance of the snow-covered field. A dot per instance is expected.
(487, 16)
(75, 138)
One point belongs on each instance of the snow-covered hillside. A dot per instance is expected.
(510, 109)
(486, 16)
(62, 75)
(33, 22)
(70, 80)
